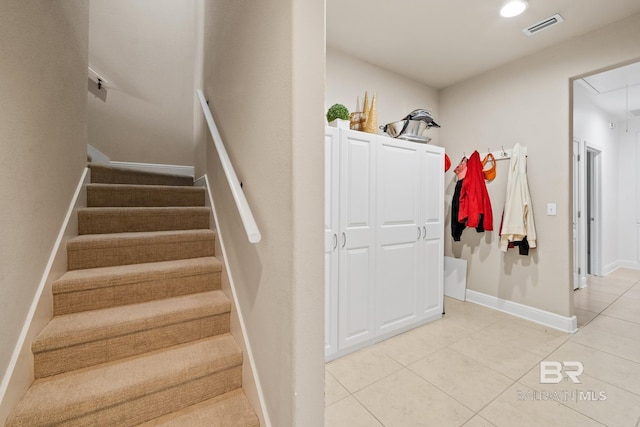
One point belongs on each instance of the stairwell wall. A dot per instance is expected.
(146, 51)
(264, 74)
(43, 139)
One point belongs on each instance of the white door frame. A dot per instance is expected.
(579, 213)
(587, 261)
(595, 222)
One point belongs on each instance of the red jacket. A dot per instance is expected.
(474, 198)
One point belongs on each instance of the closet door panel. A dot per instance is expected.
(357, 238)
(431, 298)
(432, 219)
(433, 191)
(397, 235)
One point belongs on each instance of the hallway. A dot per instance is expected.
(480, 367)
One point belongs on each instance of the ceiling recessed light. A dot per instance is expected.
(513, 8)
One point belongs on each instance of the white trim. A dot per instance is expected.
(156, 168)
(634, 265)
(56, 259)
(595, 197)
(552, 320)
(382, 337)
(97, 156)
(250, 226)
(204, 181)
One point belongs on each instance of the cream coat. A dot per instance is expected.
(517, 221)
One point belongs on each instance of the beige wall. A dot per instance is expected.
(43, 137)
(396, 96)
(528, 101)
(263, 75)
(146, 50)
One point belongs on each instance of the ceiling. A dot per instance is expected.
(616, 91)
(442, 42)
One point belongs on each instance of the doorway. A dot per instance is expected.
(593, 204)
(603, 113)
(587, 206)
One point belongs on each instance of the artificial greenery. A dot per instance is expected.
(337, 111)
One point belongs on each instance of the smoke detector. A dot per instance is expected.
(544, 24)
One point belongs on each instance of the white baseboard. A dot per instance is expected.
(157, 168)
(19, 374)
(204, 182)
(552, 320)
(621, 264)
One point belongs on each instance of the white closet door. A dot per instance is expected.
(356, 240)
(432, 218)
(398, 235)
(331, 237)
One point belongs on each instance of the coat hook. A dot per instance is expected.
(504, 153)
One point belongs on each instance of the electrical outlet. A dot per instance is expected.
(551, 209)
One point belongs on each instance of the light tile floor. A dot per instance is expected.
(480, 367)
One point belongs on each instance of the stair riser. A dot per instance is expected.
(123, 196)
(135, 410)
(133, 293)
(134, 220)
(66, 359)
(122, 176)
(85, 256)
(228, 409)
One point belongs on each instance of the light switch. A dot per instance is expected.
(551, 209)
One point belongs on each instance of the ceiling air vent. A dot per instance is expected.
(544, 24)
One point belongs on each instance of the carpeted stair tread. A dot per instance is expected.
(113, 175)
(113, 195)
(104, 250)
(95, 288)
(136, 219)
(93, 278)
(78, 340)
(94, 325)
(228, 410)
(105, 395)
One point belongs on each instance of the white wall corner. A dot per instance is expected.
(19, 374)
(97, 156)
(546, 318)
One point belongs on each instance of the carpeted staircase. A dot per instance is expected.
(140, 334)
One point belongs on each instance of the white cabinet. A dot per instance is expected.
(331, 233)
(384, 235)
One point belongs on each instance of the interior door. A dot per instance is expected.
(357, 238)
(398, 235)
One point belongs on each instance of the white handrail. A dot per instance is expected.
(249, 223)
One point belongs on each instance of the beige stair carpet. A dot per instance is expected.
(140, 334)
